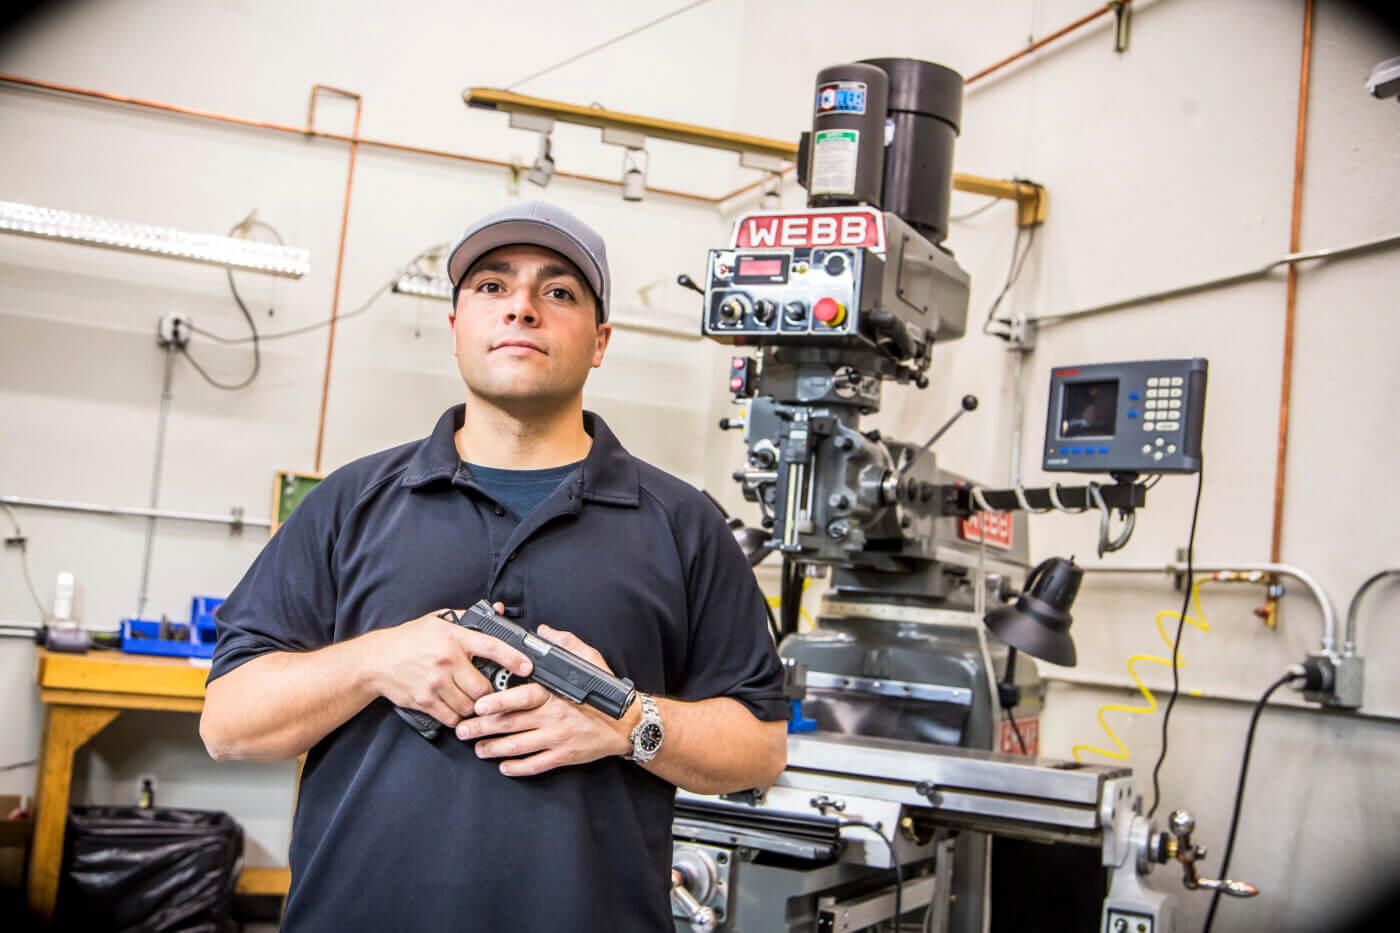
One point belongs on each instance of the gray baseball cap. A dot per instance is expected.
(536, 223)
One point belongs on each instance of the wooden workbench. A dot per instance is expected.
(82, 694)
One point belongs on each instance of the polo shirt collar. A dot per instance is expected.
(609, 472)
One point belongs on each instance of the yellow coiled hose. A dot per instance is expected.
(1199, 622)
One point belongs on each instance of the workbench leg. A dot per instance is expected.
(68, 728)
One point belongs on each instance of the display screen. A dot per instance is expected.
(753, 265)
(1089, 409)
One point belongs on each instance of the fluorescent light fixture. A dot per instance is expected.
(233, 252)
(543, 170)
(424, 286)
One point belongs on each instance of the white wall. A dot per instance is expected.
(1165, 164)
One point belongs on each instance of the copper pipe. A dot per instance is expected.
(319, 134)
(1043, 41)
(340, 254)
(1291, 299)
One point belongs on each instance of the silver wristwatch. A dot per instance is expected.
(649, 734)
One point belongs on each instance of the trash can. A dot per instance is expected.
(149, 870)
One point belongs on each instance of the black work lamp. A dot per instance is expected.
(1038, 622)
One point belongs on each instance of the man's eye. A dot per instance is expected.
(490, 288)
(561, 294)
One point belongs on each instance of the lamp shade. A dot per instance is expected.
(1038, 622)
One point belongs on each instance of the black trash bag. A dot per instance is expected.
(149, 870)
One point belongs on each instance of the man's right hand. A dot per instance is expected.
(426, 664)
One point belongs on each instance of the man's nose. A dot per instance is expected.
(521, 308)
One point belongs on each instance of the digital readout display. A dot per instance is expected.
(759, 266)
(1089, 409)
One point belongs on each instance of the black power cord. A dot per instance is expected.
(1176, 643)
(1009, 695)
(257, 353)
(1239, 789)
(256, 338)
(789, 597)
(894, 860)
(1013, 273)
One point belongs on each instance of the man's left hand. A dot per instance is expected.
(539, 731)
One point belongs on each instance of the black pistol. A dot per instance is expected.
(556, 669)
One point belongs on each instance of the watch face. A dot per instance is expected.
(650, 738)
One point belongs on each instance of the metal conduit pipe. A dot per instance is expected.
(235, 520)
(1181, 291)
(1329, 615)
(1349, 639)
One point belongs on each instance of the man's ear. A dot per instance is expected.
(604, 335)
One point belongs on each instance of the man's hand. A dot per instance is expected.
(539, 730)
(426, 664)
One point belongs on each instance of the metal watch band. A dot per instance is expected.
(649, 733)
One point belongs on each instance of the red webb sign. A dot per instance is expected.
(858, 228)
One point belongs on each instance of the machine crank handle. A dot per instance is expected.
(1226, 886)
(686, 281)
(1180, 847)
(701, 918)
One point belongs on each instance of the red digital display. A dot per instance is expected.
(750, 265)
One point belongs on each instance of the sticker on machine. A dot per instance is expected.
(1008, 744)
(861, 228)
(834, 157)
(841, 97)
(992, 527)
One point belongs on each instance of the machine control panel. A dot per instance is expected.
(1142, 416)
(795, 293)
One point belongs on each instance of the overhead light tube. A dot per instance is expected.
(232, 252)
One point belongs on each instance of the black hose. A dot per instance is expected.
(1239, 792)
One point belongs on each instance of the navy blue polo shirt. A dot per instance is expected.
(393, 832)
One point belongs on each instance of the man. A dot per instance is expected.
(526, 814)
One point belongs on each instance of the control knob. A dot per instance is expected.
(733, 309)
(795, 312)
(764, 311)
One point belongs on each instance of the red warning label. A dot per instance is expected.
(1030, 731)
(994, 527)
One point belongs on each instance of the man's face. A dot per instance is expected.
(525, 328)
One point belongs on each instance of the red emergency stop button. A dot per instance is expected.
(830, 312)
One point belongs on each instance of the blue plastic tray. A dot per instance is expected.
(139, 636)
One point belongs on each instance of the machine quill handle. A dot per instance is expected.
(702, 918)
(554, 668)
